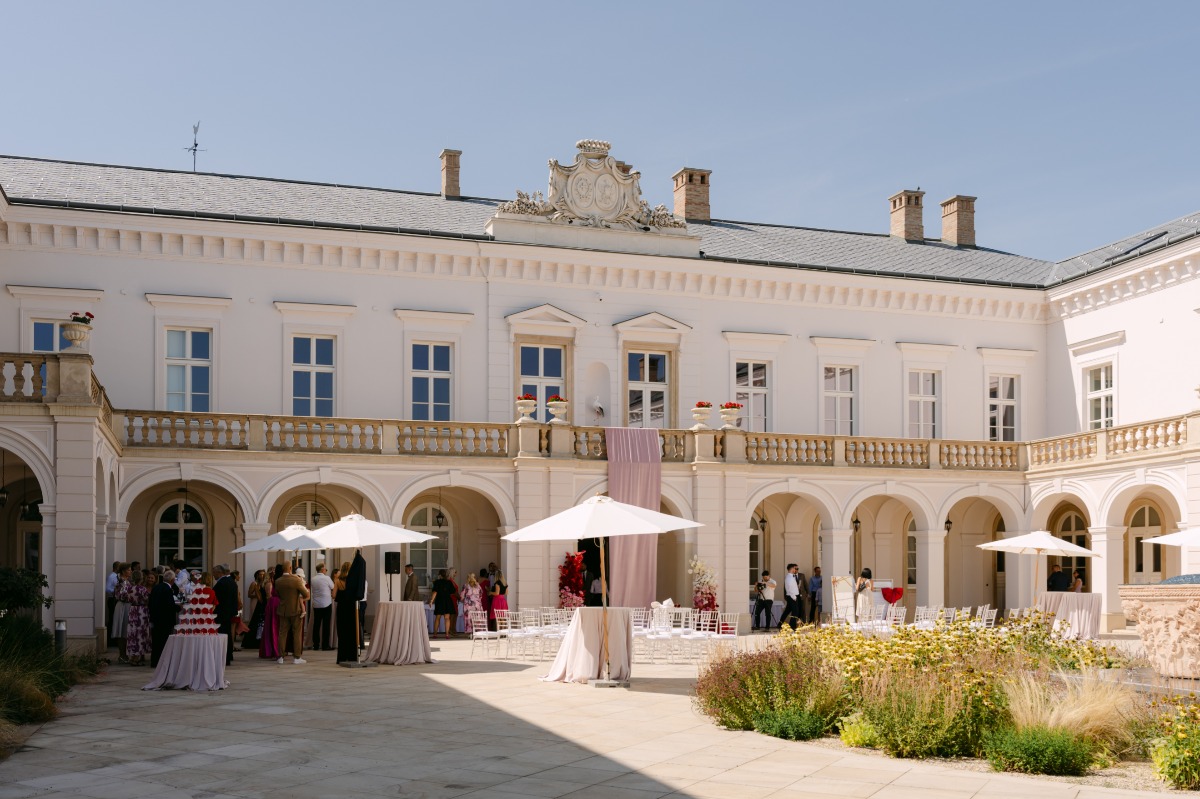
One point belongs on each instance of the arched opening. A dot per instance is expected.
(180, 533)
(196, 521)
(971, 576)
(429, 557)
(1071, 526)
(466, 527)
(1144, 563)
(20, 515)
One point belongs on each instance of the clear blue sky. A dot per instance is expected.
(1074, 123)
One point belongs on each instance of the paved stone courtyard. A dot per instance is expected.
(457, 728)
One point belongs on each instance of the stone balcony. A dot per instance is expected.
(67, 379)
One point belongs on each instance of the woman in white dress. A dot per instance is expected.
(864, 597)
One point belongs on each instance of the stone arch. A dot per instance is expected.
(825, 502)
(490, 491)
(32, 456)
(1010, 511)
(100, 497)
(597, 486)
(240, 492)
(1045, 505)
(300, 478)
(1116, 500)
(920, 506)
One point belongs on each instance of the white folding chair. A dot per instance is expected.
(480, 632)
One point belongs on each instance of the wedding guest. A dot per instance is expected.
(1076, 582)
(227, 592)
(455, 598)
(322, 604)
(441, 599)
(764, 603)
(120, 622)
(411, 589)
(183, 580)
(292, 595)
(138, 644)
(791, 596)
(485, 583)
(863, 587)
(346, 613)
(472, 599)
(805, 600)
(815, 585)
(499, 595)
(268, 638)
(257, 594)
(110, 602)
(163, 611)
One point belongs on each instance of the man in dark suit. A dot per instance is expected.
(1058, 580)
(226, 589)
(411, 592)
(163, 613)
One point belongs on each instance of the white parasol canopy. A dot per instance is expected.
(294, 538)
(1039, 542)
(356, 531)
(1183, 538)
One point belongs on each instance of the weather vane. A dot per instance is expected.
(195, 148)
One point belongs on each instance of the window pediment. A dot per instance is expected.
(544, 320)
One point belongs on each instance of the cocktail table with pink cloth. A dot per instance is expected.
(399, 635)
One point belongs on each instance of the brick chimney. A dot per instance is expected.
(691, 194)
(906, 215)
(958, 221)
(450, 189)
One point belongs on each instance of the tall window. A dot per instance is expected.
(1147, 558)
(910, 556)
(189, 370)
(430, 556)
(47, 337)
(756, 537)
(649, 391)
(312, 375)
(840, 383)
(431, 373)
(181, 533)
(923, 387)
(1072, 528)
(1002, 408)
(750, 389)
(541, 374)
(1100, 395)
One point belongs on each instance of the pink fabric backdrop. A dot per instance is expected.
(635, 478)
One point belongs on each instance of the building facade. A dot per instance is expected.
(269, 352)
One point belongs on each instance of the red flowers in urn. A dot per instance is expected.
(570, 581)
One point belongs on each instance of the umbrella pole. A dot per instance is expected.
(604, 611)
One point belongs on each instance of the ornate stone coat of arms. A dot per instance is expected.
(594, 191)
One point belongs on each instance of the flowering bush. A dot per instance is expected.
(704, 585)
(82, 318)
(731, 405)
(526, 397)
(1176, 754)
(570, 581)
(556, 398)
(703, 404)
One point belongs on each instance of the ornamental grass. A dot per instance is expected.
(1109, 715)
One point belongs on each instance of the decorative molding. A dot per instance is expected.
(315, 308)
(457, 318)
(1005, 353)
(1155, 273)
(43, 292)
(167, 300)
(1107, 341)
(929, 351)
(847, 344)
(653, 327)
(756, 341)
(544, 320)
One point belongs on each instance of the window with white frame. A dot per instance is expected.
(839, 400)
(1002, 408)
(312, 375)
(189, 370)
(542, 373)
(648, 388)
(430, 556)
(431, 374)
(1100, 396)
(181, 533)
(48, 337)
(923, 395)
(910, 556)
(750, 389)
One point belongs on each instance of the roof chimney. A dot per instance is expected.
(450, 188)
(958, 221)
(691, 194)
(906, 215)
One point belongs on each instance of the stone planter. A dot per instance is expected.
(1168, 622)
(559, 411)
(729, 418)
(526, 408)
(77, 333)
(701, 416)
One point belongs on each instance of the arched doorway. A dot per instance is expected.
(1072, 527)
(1144, 563)
(180, 533)
(430, 557)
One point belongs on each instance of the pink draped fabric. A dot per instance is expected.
(635, 478)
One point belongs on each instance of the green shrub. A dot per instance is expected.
(21, 589)
(1176, 754)
(32, 673)
(791, 724)
(855, 730)
(1039, 750)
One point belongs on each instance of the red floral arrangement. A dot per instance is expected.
(82, 318)
(570, 581)
(556, 398)
(703, 404)
(729, 405)
(526, 397)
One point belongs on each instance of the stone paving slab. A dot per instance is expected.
(461, 727)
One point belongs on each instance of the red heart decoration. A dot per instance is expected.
(892, 595)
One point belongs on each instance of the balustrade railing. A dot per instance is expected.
(1065, 449)
(590, 444)
(290, 433)
(22, 378)
(789, 449)
(674, 445)
(905, 453)
(990, 455)
(186, 430)
(454, 438)
(1140, 438)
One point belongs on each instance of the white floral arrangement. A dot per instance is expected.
(704, 585)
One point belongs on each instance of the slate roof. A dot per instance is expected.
(133, 189)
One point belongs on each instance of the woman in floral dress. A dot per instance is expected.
(472, 599)
(136, 593)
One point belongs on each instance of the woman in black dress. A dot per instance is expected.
(441, 597)
(346, 616)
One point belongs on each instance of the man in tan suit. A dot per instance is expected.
(292, 593)
(410, 585)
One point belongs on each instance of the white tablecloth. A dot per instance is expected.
(578, 658)
(1080, 611)
(191, 661)
(399, 635)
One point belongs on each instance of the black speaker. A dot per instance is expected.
(391, 563)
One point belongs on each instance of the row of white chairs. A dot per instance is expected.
(884, 619)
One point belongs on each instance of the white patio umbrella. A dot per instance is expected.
(294, 538)
(356, 531)
(1183, 538)
(601, 517)
(1039, 542)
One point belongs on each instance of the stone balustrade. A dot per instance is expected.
(1113, 443)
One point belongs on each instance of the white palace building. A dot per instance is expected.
(267, 352)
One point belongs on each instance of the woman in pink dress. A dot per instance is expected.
(472, 599)
(268, 639)
(137, 630)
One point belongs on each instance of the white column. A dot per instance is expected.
(100, 569)
(931, 566)
(837, 560)
(1108, 572)
(49, 565)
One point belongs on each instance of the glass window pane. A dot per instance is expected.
(441, 389)
(760, 375)
(1010, 388)
(420, 519)
(831, 408)
(201, 344)
(830, 378)
(636, 362)
(175, 402)
(324, 407)
(529, 362)
(1008, 416)
(324, 356)
(301, 350)
(175, 379)
(170, 514)
(914, 383)
(168, 540)
(193, 539)
(658, 405)
(993, 387)
(552, 362)
(301, 383)
(441, 358)
(420, 357)
(635, 407)
(200, 403)
(301, 406)
(658, 369)
(741, 374)
(846, 378)
(420, 389)
(324, 387)
(440, 558)
(1152, 520)
(43, 337)
(420, 556)
(176, 344)
(529, 388)
(441, 413)
(199, 379)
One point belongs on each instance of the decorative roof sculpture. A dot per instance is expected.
(594, 192)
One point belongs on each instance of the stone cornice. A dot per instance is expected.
(1137, 278)
(41, 292)
(408, 255)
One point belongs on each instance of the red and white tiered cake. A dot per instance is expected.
(198, 616)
